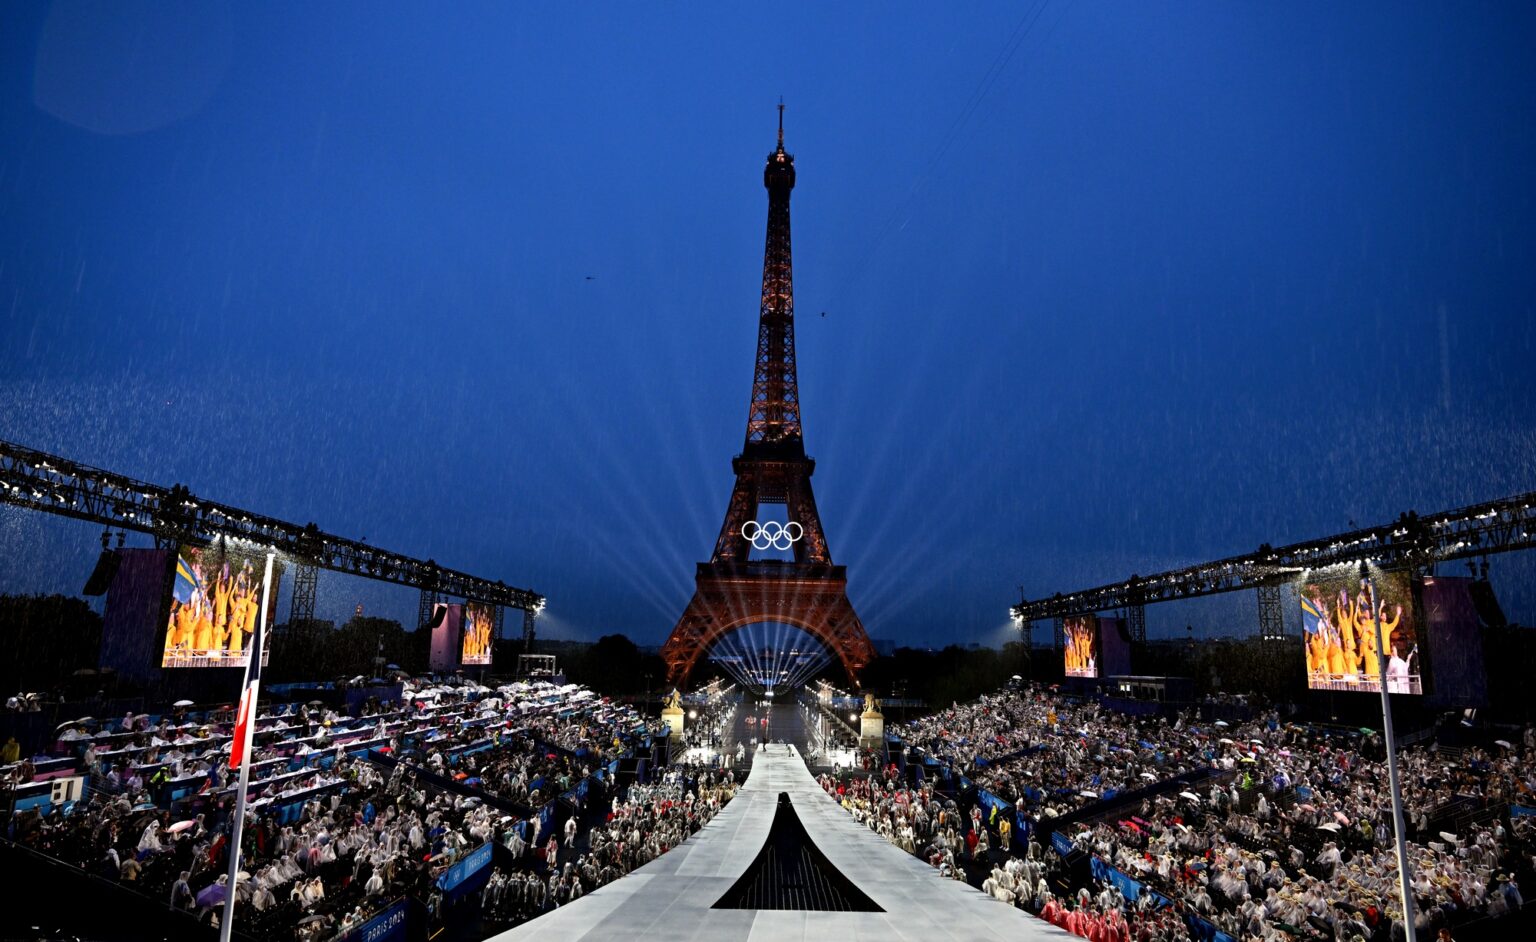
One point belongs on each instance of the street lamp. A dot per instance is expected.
(1404, 880)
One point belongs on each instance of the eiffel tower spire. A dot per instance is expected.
(774, 416)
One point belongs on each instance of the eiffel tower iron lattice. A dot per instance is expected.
(732, 590)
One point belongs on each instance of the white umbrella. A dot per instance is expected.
(1504, 742)
(1190, 795)
(1088, 794)
(180, 826)
(1330, 826)
(183, 703)
(1149, 776)
(1226, 742)
(1221, 723)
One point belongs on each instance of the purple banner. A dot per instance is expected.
(1459, 676)
(136, 602)
(445, 637)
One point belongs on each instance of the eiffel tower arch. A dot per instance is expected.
(808, 591)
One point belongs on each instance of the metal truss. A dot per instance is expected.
(306, 578)
(529, 616)
(1271, 613)
(1413, 541)
(40, 481)
(1136, 622)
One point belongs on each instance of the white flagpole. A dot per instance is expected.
(226, 924)
(1399, 832)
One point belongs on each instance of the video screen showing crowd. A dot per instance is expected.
(479, 618)
(215, 601)
(1082, 645)
(1339, 618)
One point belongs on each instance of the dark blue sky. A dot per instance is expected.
(1108, 288)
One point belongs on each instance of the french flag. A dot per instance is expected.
(245, 719)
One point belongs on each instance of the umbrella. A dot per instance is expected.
(1227, 742)
(317, 917)
(1504, 742)
(1448, 837)
(212, 895)
(1149, 776)
(1088, 794)
(179, 826)
(1190, 795)
(1222, 723)
(391, 667)
(1341, 817)
(182, 703)
(1330, 826)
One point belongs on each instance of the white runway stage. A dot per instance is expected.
(670, 898)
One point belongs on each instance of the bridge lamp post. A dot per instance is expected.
(1404, 879)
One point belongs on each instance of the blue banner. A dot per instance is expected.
(1521, 811)
(387, 926)
(990, 803)
(1061, 844)
(1104, 873)
(469, 874)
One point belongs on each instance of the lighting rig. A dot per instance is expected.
(1413, 541)
(40, 481)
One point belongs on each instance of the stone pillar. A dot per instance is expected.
(871, 724)
(672, 715)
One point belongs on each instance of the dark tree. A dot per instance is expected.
(47, 639)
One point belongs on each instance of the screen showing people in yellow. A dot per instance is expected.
(1082, 656)
(215, 601)
(478, 619)
(1340, 632)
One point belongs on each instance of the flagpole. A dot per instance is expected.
(1399, 832)
(245, 732)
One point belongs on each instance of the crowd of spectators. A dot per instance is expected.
(646, 823)
(335, 832)
(1288, 836)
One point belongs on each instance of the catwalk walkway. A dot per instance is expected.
(671, 898)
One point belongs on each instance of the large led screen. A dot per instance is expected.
(478, 620)
(1082, 656)
(1340, 634)
(215, 601)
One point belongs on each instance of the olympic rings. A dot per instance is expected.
(773, 534)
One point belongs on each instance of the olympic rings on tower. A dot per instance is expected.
(772, 535)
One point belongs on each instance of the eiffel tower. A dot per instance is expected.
(808, 592)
